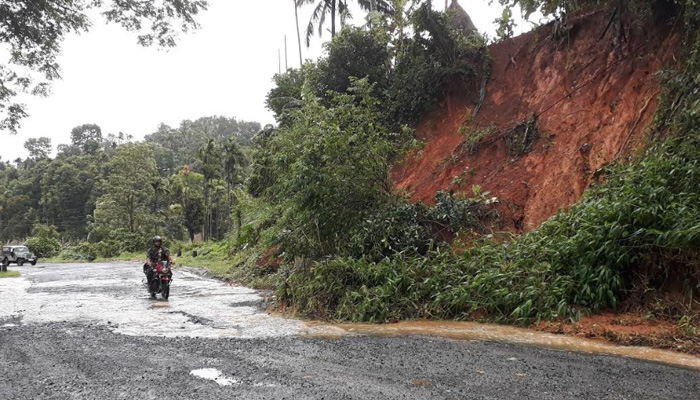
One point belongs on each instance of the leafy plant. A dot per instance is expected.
(44, 241)
(327, 169)
(473, 136)
(520, 139)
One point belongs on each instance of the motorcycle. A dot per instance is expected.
(161, 277)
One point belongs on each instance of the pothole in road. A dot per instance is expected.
(258, 304)
(215, 375)
(194, 318)
(11, 321)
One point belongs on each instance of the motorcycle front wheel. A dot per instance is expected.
(154, 287)
(166, 290)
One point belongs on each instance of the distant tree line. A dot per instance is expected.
(177, 182)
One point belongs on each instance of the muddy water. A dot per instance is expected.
(114, 295)
(503, 333)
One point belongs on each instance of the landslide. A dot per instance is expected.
(592, 95)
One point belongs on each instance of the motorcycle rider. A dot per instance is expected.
(156, 254)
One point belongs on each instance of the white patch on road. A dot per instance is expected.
(215, 375)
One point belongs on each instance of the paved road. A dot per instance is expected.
(90, 332)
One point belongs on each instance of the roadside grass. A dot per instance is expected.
(138, 256)
(240, 267)
(9, 274)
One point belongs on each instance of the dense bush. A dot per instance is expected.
(327, 170)
(426, 65)
(287, 92)
(354, 53)
(80, 252)
(414, 229)
(43, 246)
(44, 241)
(409, 76)
(580, 260)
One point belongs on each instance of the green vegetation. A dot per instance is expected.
(473, 136)
(9, 274)
(520, 138)
(308, 208)
(102, 196)
(620, 242)
(582, 260)
(44, 242)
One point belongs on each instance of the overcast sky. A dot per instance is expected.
(223, 69)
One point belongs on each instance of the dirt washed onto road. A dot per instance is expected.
(90, 331)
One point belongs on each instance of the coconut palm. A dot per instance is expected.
(337, 10)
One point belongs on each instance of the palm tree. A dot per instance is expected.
(209, 156)
(337, 10)
(296, 17)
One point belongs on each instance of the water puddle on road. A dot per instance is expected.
(215, 375)
(502, 333)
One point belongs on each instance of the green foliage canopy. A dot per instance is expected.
(327, 169)
(127, 192)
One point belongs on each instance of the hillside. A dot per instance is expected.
(593, 100)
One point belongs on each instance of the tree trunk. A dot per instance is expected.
(296, 16)
(333, 7)
(131, 214)
(206, 210)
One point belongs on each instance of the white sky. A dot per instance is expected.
(225, 68)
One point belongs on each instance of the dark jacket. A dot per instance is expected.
(158, 254)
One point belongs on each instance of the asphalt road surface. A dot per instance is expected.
(90, 331)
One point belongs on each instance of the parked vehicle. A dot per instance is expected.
(18, 255)
(161, 277)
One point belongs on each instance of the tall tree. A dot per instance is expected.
(337, 10)
(186, 140)
(39, 148)
(234, 163)
(187, 187)
(296, 19)
(87, 137)
(128, 190)
(68, 193)
(210, 161)
(33, 31)
(323, 10)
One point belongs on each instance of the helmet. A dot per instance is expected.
(157, 239)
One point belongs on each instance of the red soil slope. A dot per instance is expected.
(595, 102)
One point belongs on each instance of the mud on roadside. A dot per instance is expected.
(628, 329)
